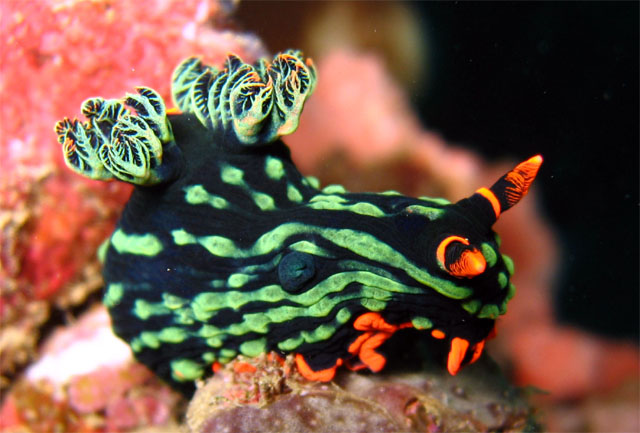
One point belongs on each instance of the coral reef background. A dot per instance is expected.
(396, 80)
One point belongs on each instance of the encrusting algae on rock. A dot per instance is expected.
(224, 248)
(267, 394)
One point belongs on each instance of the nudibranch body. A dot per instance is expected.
(224, 248)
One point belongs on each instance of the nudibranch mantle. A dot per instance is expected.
(224, 248)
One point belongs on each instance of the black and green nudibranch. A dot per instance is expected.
(224, 248)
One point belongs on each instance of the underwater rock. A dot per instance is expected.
(51, 222)
(266, 394)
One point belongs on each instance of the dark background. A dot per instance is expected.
(517, 79)
(559, 79)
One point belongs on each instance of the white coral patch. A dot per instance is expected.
(81, 348)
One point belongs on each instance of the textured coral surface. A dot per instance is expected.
(268, 395)
(56, 54)
(87, 380)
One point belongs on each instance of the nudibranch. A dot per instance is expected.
(224, 248)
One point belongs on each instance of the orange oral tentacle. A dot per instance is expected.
(364, 322)
(457, 353)
(377, 331)
(373, 322)
(357, 344)
(477, 351)
(321, 376)
(369, 356)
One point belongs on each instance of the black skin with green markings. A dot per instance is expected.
(224, 248)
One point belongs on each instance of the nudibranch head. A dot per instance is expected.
(224, 248)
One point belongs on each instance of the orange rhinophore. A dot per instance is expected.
(489, 195)
(442, 247)
(520, 179)
(468, 263)
(514, 185)
(377, 331)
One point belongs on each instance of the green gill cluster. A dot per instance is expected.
(115, 142)
(258, 102)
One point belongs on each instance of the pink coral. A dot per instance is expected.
(87, 377)
(56, 54)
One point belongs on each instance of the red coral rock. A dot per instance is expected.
(56, 54)
(93, 392)
(86, 380)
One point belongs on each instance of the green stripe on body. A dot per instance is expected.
(293, 194)
(358, 242)
(489, 254)
(234, 176)
(197, 194)
(138, 244)
(113, 295)
(431, 213)
(274, 168)
(375, 286)
(315, 303)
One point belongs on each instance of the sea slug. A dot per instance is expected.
(224, 248)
